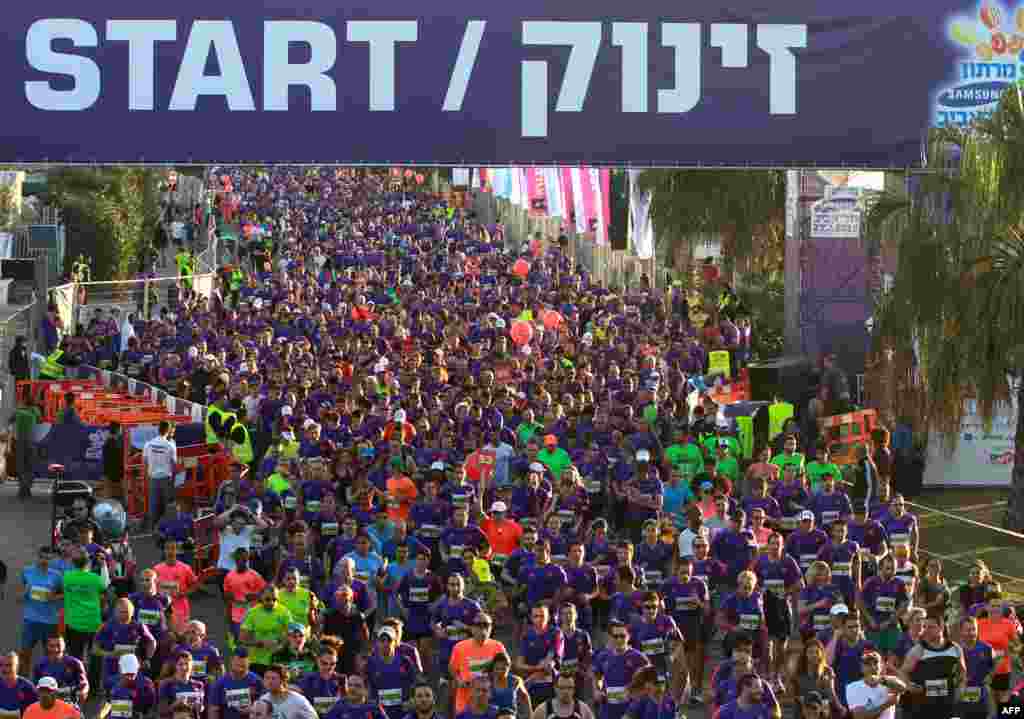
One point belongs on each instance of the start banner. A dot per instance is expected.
(648, 83)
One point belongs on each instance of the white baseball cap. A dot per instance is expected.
(838, 609)
(499, 507)
(439, 466)
(286, 411)
(128, 664)
(536, 467)
(643, 456)
(50, 683)
(806, 514)
(399, 415)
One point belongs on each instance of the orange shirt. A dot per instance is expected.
(238, 586)
(998, 633)
(59, 710)
(402, 493)
(470, 659)
(503, 536)
(174, 580)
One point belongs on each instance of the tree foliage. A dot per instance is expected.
(745, 207)
(959, 294)
(114, 212)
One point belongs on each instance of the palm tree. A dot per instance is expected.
(960, 279)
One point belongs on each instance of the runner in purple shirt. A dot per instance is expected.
(544, 580)
(744, 611)
(540, 654)
(614, 668)
(779, 576)
(804, 544)
(752, 701)
(843, 557)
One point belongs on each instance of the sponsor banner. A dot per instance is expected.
(983, 456)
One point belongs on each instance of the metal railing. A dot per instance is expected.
(19, 323)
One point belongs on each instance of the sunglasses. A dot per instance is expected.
(618, 636)
(484, 625)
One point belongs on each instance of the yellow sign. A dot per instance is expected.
(718, 363)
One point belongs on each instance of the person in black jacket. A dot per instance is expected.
(17, 360)
(113, 462)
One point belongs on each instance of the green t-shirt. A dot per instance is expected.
(25, 419)
(277, 484)
(82, 594)
(266, 625)
(781, 460)
(711, 444)
(730, 467)
(686, 458)
(555, 461)
(816, 470)
(297, 604)
(525, 431)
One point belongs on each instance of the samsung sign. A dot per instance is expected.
(793, 82)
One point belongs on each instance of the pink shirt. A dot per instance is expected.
(174, 580)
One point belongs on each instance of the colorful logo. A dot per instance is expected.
(992, 43)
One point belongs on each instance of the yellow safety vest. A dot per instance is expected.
(211, 435)
(52, 368)
(745, 425)
(718, 363)
(289, 450)
(242, 451)
(778, 413)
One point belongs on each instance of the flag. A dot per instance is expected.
(553, 190)
(589, 204)
(606, 203)
(640, 219)
(600, 220)
(565, 177)
(577, 200)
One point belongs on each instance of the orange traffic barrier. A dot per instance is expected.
(843, 432)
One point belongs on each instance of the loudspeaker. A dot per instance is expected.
(789, 378)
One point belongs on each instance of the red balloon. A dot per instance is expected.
(521, 268)
(552, 320)
(711, 273)
(521, 332)
(420, 179)
(408, 174)
(396, 172)
(535, 248)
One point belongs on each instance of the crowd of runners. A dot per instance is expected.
(473, 483)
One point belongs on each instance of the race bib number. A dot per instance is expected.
(569, 666)
(324, 704)
(885, 604)
(899, 538)
(238, 698)
(686, 604)
(121, 708)
(775, 586)
(460, 500)
(199, 668)
(789, 524)
(419, 595)
(567, 516)
(170, 588)
(431, 531)
(806, 560)
(821, 622)
(936, 687)
(842, 569)
(291, 502)
(499, 560)
(363, 577)
(193, 699)
(652, 647)
(390, 697)
(40, 594)
(456, 551)
(477, 667)
(829, 517)
(456, 633)
(593, 486)
(616, 695)
(329, 529)
(653, 577)
(122, 649)
(970, 695)
(313, 506)
(750, 622)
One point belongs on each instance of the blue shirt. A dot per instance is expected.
(39, 586)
